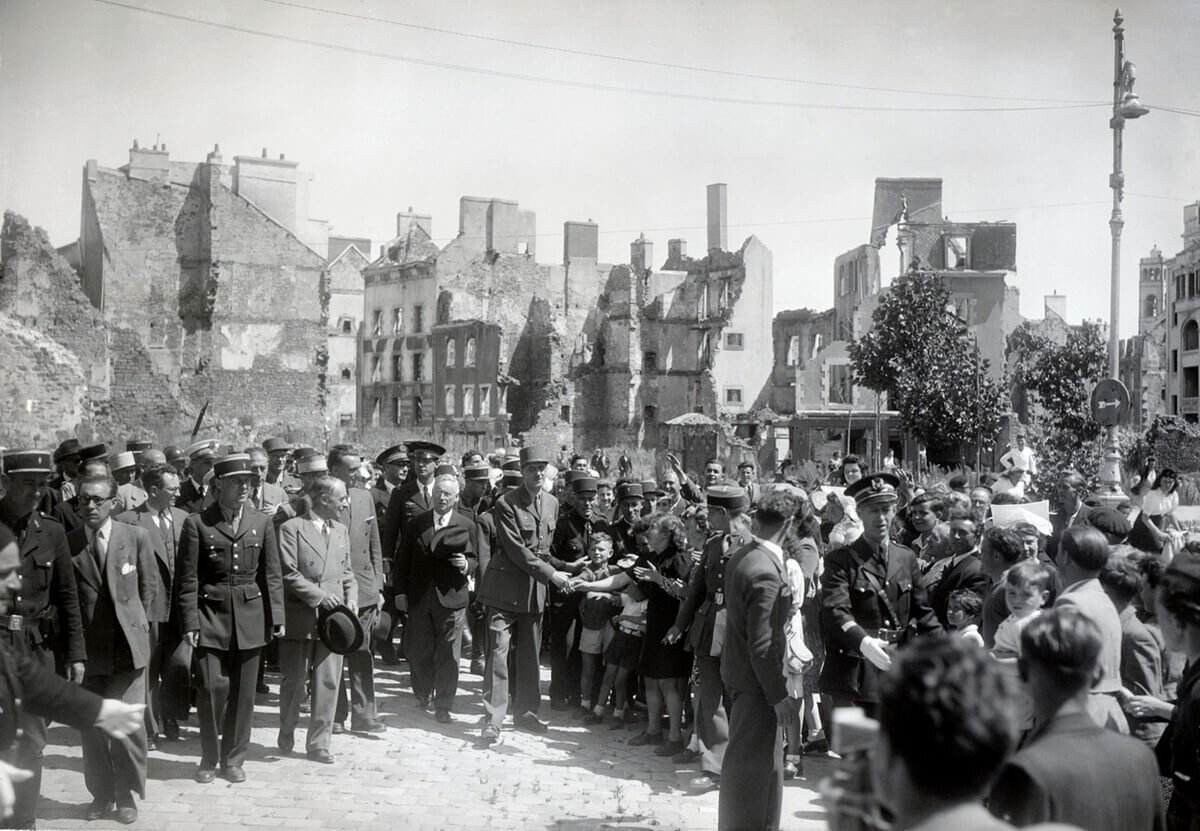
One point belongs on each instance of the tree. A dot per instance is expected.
(934, 377)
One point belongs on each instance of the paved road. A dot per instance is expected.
(419, 775)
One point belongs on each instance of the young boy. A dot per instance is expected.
(621, 657)
(595, 611)
(964, 611)
(1026, 591)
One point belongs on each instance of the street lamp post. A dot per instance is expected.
(1125, 106)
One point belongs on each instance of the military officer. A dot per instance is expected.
(514, 591)
(44, 616)
(278, 450)
(870, 599)
(200, 461)
(727, 514)
(413, 497)
(394, 464)
(230, 601)
(629, 509)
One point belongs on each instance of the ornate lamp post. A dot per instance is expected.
(1125, 106)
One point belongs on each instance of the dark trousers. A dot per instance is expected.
(566, 664)
(477, 617)
(525, 628)
(113, 769)
(358, 696)
(752, 775)
(433, 646)
(164, 638)
(225, 703)
(712, 724)
(27, 752)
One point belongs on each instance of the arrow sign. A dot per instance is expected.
(1110, 402)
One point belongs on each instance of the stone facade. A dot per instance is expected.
(1183, 321)
(345, 280)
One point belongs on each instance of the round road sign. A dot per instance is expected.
(1110, 402)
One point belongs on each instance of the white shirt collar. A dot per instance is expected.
(104, 531)
(441, 520)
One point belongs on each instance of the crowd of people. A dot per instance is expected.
(1021, 669)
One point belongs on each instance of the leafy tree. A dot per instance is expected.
(933, 375)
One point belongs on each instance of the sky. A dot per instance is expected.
(466, 99)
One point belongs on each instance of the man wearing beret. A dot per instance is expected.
(870, 599)
(514, 591)
(430, 584)
(317, 576)
(45, 615)
(230, 598)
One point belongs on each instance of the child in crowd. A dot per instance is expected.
(595, 611)
(621, 658)
(964, 612)
(1026, 591)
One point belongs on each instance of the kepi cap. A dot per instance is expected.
(729, 497)
(512, 479)
(122, 461)
(585, 484)
(312, 463)
(138, 445)
(650, 488)
(534, 456)
(275, 444)
(27, 461)
(629, 490)
(233, 464)
(201, 449)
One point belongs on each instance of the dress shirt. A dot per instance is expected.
(98, 539)
(775, 550)
(440, 521)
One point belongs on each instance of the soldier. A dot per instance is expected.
(727, 515)
(629, 510)
(200, 462)
(46, 601)
(277, 463)
(176, 459)
(394, 464)
(230, 599)
(870, 600)
(514, 591)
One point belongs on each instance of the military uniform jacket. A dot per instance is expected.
(313, 567)
(163, 608)
(27, 685)
(48, 600)
(758, 603)
(516, 577)
(421, 565)
(407, 501)
(230, 582)
(706, 594)
(380, 495)
(190, 498)
(853, 607)
(66, 514)
(484, 540)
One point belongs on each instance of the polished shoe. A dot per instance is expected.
(151, 743)
(592, 718)
(99, 809)
(530, 723)
(323, 757)
(560, 705)
(127, 814)
(793, 769)
(286, 740)
(170, 729)
(338, 728)
(643, 738)
(491, 734)
(707, 782)
(442, 716)
(262, 689)
(374, 726)
(686, 757)
(233, 773)
(205, 775)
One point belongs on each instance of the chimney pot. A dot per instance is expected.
(282, 158)
(135, 144)
(264, 155)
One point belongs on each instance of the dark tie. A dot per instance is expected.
(168, 533)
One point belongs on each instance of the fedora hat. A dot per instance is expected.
(340, 630)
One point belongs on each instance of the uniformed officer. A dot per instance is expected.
(514, 591)
(413, 497)
(704, 603)
(230, 601)
(394, 463)
(200, 461)
(44, 615)
(870, 599)
(568, 553)
(629, 509)
(278, 450)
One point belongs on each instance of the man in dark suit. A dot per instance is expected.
(358, 697)
(513, 590)
(200, 461)
(870, 600)
(758, 603)
(961, 570)
(430, 583)
(473, 503)
(1070, 769)
(230, 597)
(1069, 493)
(163, 522)
(44, 618)
(116, 576)
(317, 576)
(413, 497)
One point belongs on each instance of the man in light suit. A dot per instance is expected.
(317, 576)
(430, 582)
(230, 600)
(264, 496)
(162, 522)
(116, 577)
(366, 561)
(125, 471)
(758, 604)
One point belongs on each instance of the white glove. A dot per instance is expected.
(875, 651)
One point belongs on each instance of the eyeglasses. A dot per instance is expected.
(89, 499)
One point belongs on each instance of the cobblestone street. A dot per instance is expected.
(419, 775)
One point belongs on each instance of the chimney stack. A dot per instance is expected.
(581, 241)
(153, 165)
(676, 250)
(405, 219)
(641, 254)
(718, 231)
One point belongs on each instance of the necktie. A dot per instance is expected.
(325, 533)
(258, 498)
(168, 533)
(99, 549)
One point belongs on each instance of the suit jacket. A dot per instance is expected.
(967, 574)
(113, 599)
(517, 574)
(190, 498)
(407, 501)
(758, 603)
(49, 599)
(163, 608)
(706, 594)
(272, 497)
(366, 557)
(1072, 770)
(130, 496)
(1141, 669)
(852, 608)
(1090, 599)
(230, 585)
(380, 496)
(1059, 523)
(422, 565)
(66, 513)
(312, 569)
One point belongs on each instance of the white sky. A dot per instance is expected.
(81, 79)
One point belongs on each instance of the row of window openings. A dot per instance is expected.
(418, 320)
(733, 341)
(1187, 285)
(724, 299)
(450, 401)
